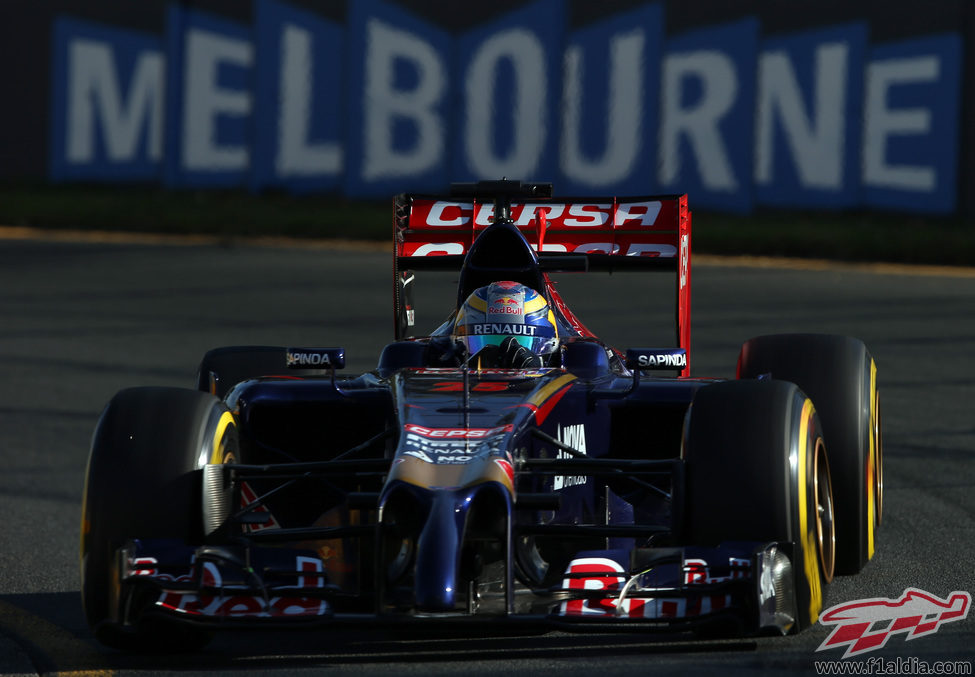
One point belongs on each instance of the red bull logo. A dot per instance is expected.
(505, 304)
(866, 624)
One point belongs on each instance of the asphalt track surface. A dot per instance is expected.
(81, 320)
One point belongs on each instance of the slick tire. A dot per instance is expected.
(223, 368)
(840, 376)
(741, 486)
(144, 481)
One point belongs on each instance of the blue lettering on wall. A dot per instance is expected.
(107, 103)
(910, 147)
(298, 103)
(610, 104)
(808, 117)
(388, 101)
(398, 102)
(508, 76)
(209, 100)
(707, 115)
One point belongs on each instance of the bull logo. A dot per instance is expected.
(866, 624)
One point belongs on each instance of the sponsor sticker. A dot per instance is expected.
(591, 574)
(507, 329)
(451, 446)
(323, 358)
(654, 358)
(571, 436)
(230, 604)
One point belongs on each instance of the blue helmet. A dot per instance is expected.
(503, 309)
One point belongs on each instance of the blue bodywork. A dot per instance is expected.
(425, 490)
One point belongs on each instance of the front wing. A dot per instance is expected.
(747, 585)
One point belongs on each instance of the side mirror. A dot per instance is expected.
(316, 358)
(647, 359)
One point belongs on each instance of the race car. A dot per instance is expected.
(506, 466)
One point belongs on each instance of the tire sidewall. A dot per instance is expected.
(143, 481)
(749, 453)
(839, 375)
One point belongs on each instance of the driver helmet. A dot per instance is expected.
(503, 309)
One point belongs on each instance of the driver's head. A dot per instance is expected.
(502, 309)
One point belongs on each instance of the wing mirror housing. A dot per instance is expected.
(655, 359)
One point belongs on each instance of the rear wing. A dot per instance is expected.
(567, 234)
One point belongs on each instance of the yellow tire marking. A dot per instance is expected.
(872, 466)
(809, 549)
(217, 453)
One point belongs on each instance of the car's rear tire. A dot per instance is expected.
(144, 481)
(840, 376)
(741, 486)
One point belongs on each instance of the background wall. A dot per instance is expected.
(802, 104)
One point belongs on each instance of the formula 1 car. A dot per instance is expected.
(599, 490)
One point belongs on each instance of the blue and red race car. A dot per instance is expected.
(507, 466)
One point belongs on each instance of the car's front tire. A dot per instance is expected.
(840, 376)
(144, 481)
(756, 470)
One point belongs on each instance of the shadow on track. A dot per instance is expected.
(51, 629)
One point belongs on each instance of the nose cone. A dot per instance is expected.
(439, 550)
(458, 522)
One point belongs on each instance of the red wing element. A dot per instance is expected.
(609, 233)
(646, 227)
